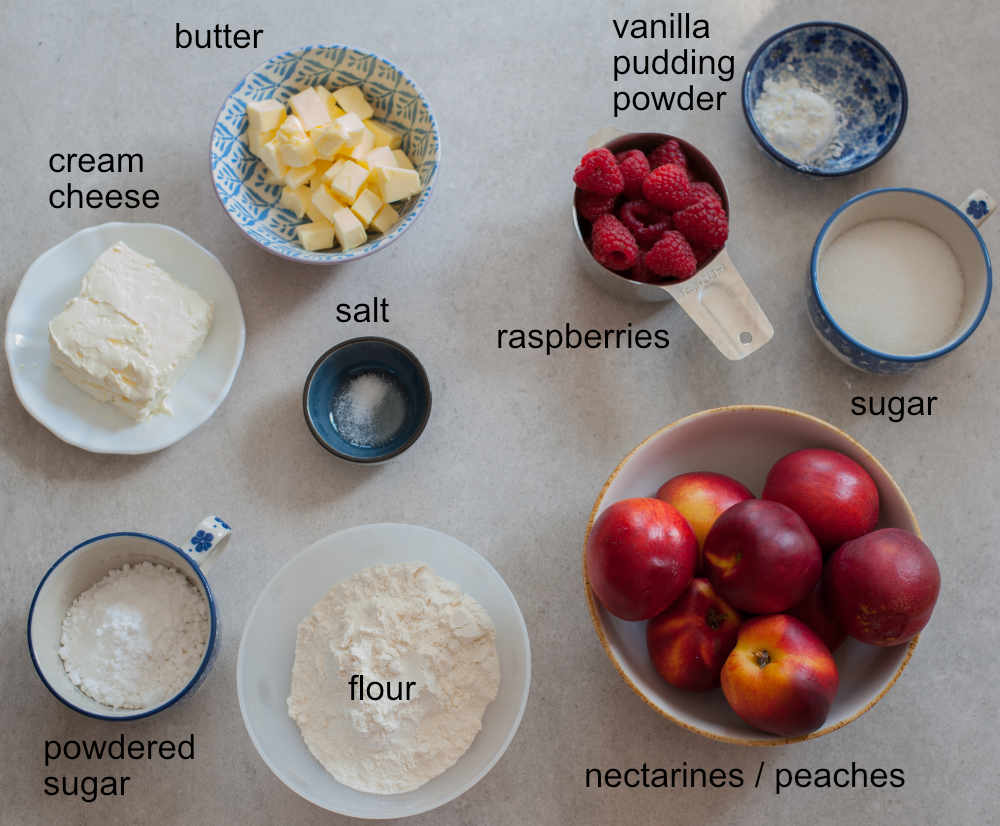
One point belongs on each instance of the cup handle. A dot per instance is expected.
(718, 300)
(207, 541)
(978, 207)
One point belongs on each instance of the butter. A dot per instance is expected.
(297, 152)
(351, 99)
(130, 333)
(265, 115)
(257, 139)
(348, 181)
(364, 146)
(315, 236)
(365, 206)
(269, 157)
(380, 156)
(297, 199)
(350, 233)
(385, 219)
(291, 129)
(310, 108)
(384, 135)
(334, 170)
(328, 139)
(402, 160)
(296, 177)
(324, 201)
(351, 128)
(395, 184)
(317, 178)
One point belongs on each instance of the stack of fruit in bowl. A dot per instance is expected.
(755, 594)
(651, 219)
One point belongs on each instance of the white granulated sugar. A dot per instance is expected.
(796, 121)
(393, 623)
(893, 285)
(135, 638)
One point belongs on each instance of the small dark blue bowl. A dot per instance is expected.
(352, 358)
(850, 68)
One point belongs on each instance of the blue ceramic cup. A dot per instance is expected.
(85, 565)
(956, 225)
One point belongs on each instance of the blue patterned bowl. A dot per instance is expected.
(850, 69)
(239, 176)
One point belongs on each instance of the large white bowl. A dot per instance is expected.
(267, 650)
(743, 441)
(54, 278)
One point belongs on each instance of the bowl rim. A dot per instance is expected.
(421, 374)
(809, 170)
(342, 256)
(897, 358)
(202, 666)
(599, 628)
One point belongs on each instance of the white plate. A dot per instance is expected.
(67, 411)
(743, 441)
(267, 650)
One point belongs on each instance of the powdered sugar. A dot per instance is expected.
(137, 637)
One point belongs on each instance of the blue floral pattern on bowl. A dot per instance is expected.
(240, 178)
(201, 541)
(850, 69)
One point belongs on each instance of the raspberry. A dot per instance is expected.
(640, 272)
(645, 221)
(598, 172)
(635, 168)
(704, 224)
(668, 186)
(612, 244)
(703, 254)
(669, 152)
(703, 189)
(671, 257)
(590, 205)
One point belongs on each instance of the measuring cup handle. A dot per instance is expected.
(979, 206)
(718, 300)
(207, 541)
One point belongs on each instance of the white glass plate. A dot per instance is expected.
(54, 278)
(267, 650)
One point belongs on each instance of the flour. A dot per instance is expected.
(796, 121)
(393, 623)
(137, 637)
(893, 285)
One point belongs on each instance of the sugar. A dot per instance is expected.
(369, 409)
(893, 285)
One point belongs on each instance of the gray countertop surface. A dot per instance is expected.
(519, 443)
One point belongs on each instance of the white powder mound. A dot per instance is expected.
(135, 638)
(393, 623)
(893, 285)
(796, 121)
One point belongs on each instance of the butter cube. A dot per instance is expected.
(334, 110)
(317, 177)
(328, 140)
(334, 170)
(384, 135)
(270, 159)
(326, 203)
(297, 153)
(365, 206)
(257, 139)
(349, 180)
(352, 99)
(310, 108)
(350, 233)
(297, 199)
(385, 220)
(265, 115)
(351, 128)
(365, 145)
(380, 156)
(296, 177)
(315, 236)
(395, 184)
(291, 129)
(402, 161)
(313, 214)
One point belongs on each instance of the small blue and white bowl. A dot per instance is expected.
(847, 67)
(239, 176)
(347, 360)
(956, 225)
(86, 564)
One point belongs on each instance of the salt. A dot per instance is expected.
(369, 409)
(893, 285)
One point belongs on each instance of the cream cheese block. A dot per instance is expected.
(129, 334)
